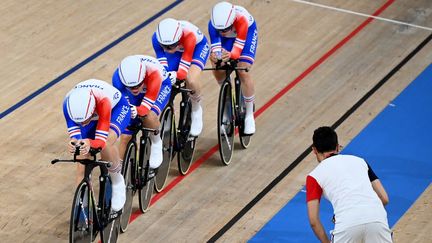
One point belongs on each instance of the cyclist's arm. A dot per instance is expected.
(241, 26)
(103, 108)
(159, 52)
(188, 43)
(215, 39)
(153, 81)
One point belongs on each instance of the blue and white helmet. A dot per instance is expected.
(222, 15)
(169, 31)
(81, 104)
(132, 71)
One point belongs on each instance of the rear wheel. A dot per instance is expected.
(226, 123)
(108, 221)
(128, 163)
(167, 143)
(81, 222)
(146, 186)
(185, 142)
(244, 139)
(111, 231)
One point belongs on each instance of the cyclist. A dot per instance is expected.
(183, 49)
(145, 84)
(234, 35)
(96, 114)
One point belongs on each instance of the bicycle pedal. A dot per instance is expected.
(152, 173)
(115, 214)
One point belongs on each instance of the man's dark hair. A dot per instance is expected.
(325, 139)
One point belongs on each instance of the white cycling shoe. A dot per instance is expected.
(249, 125)
(156, 155)
(118, 197)
(197, 123)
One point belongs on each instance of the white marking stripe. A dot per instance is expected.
(100, 138)
(362, 14)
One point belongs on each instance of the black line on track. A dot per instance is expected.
(306, 152)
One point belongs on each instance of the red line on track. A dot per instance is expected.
(269, 103)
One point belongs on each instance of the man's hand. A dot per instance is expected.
(226, 55)
(72, 144)
(134, 111)
(215, 57)
(172, 76)
(84, 146)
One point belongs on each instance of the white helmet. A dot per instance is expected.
(132, 71)
(169, 32)
(81, 104)
(223, 15)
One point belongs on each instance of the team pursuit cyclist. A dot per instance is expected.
(96, 114)
(144, 82)
(234, 35)
(183, 49)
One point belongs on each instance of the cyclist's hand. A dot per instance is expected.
(84, 146)
(226, 55)
(134, 111)
(71, 145)
(172, 76)
(215, 57)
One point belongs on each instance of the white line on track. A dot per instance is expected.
(362, 14)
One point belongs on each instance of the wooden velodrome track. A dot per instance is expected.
(313, 64)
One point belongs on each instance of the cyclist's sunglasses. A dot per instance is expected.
(170, 47)
(226, 29)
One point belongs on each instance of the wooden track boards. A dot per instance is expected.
(41, 41)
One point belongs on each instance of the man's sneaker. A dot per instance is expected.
(156, 155)
(249, 125)
(118, 198)
(197, 123)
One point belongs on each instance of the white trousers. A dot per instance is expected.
(375, 232)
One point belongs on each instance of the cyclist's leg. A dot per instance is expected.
(156, 155)
(199, 60)
(247, 59)
(248, 90)
(119, 121)
(152, 121)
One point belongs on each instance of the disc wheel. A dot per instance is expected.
(185, 142)
(146, 186)
(226, 123)
(167, 136)
(128, 163)
(244, 139)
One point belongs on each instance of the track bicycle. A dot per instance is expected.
(88, 216)
(231, 111)
(175, 136)
(137, 172)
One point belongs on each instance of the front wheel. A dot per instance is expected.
(128, 163)
(167, 136)
(146, 185)
(185, 143)
(81, 222)
(226, 123)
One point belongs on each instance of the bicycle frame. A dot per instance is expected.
(139, 182)
(230, 67)
(103, 216)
